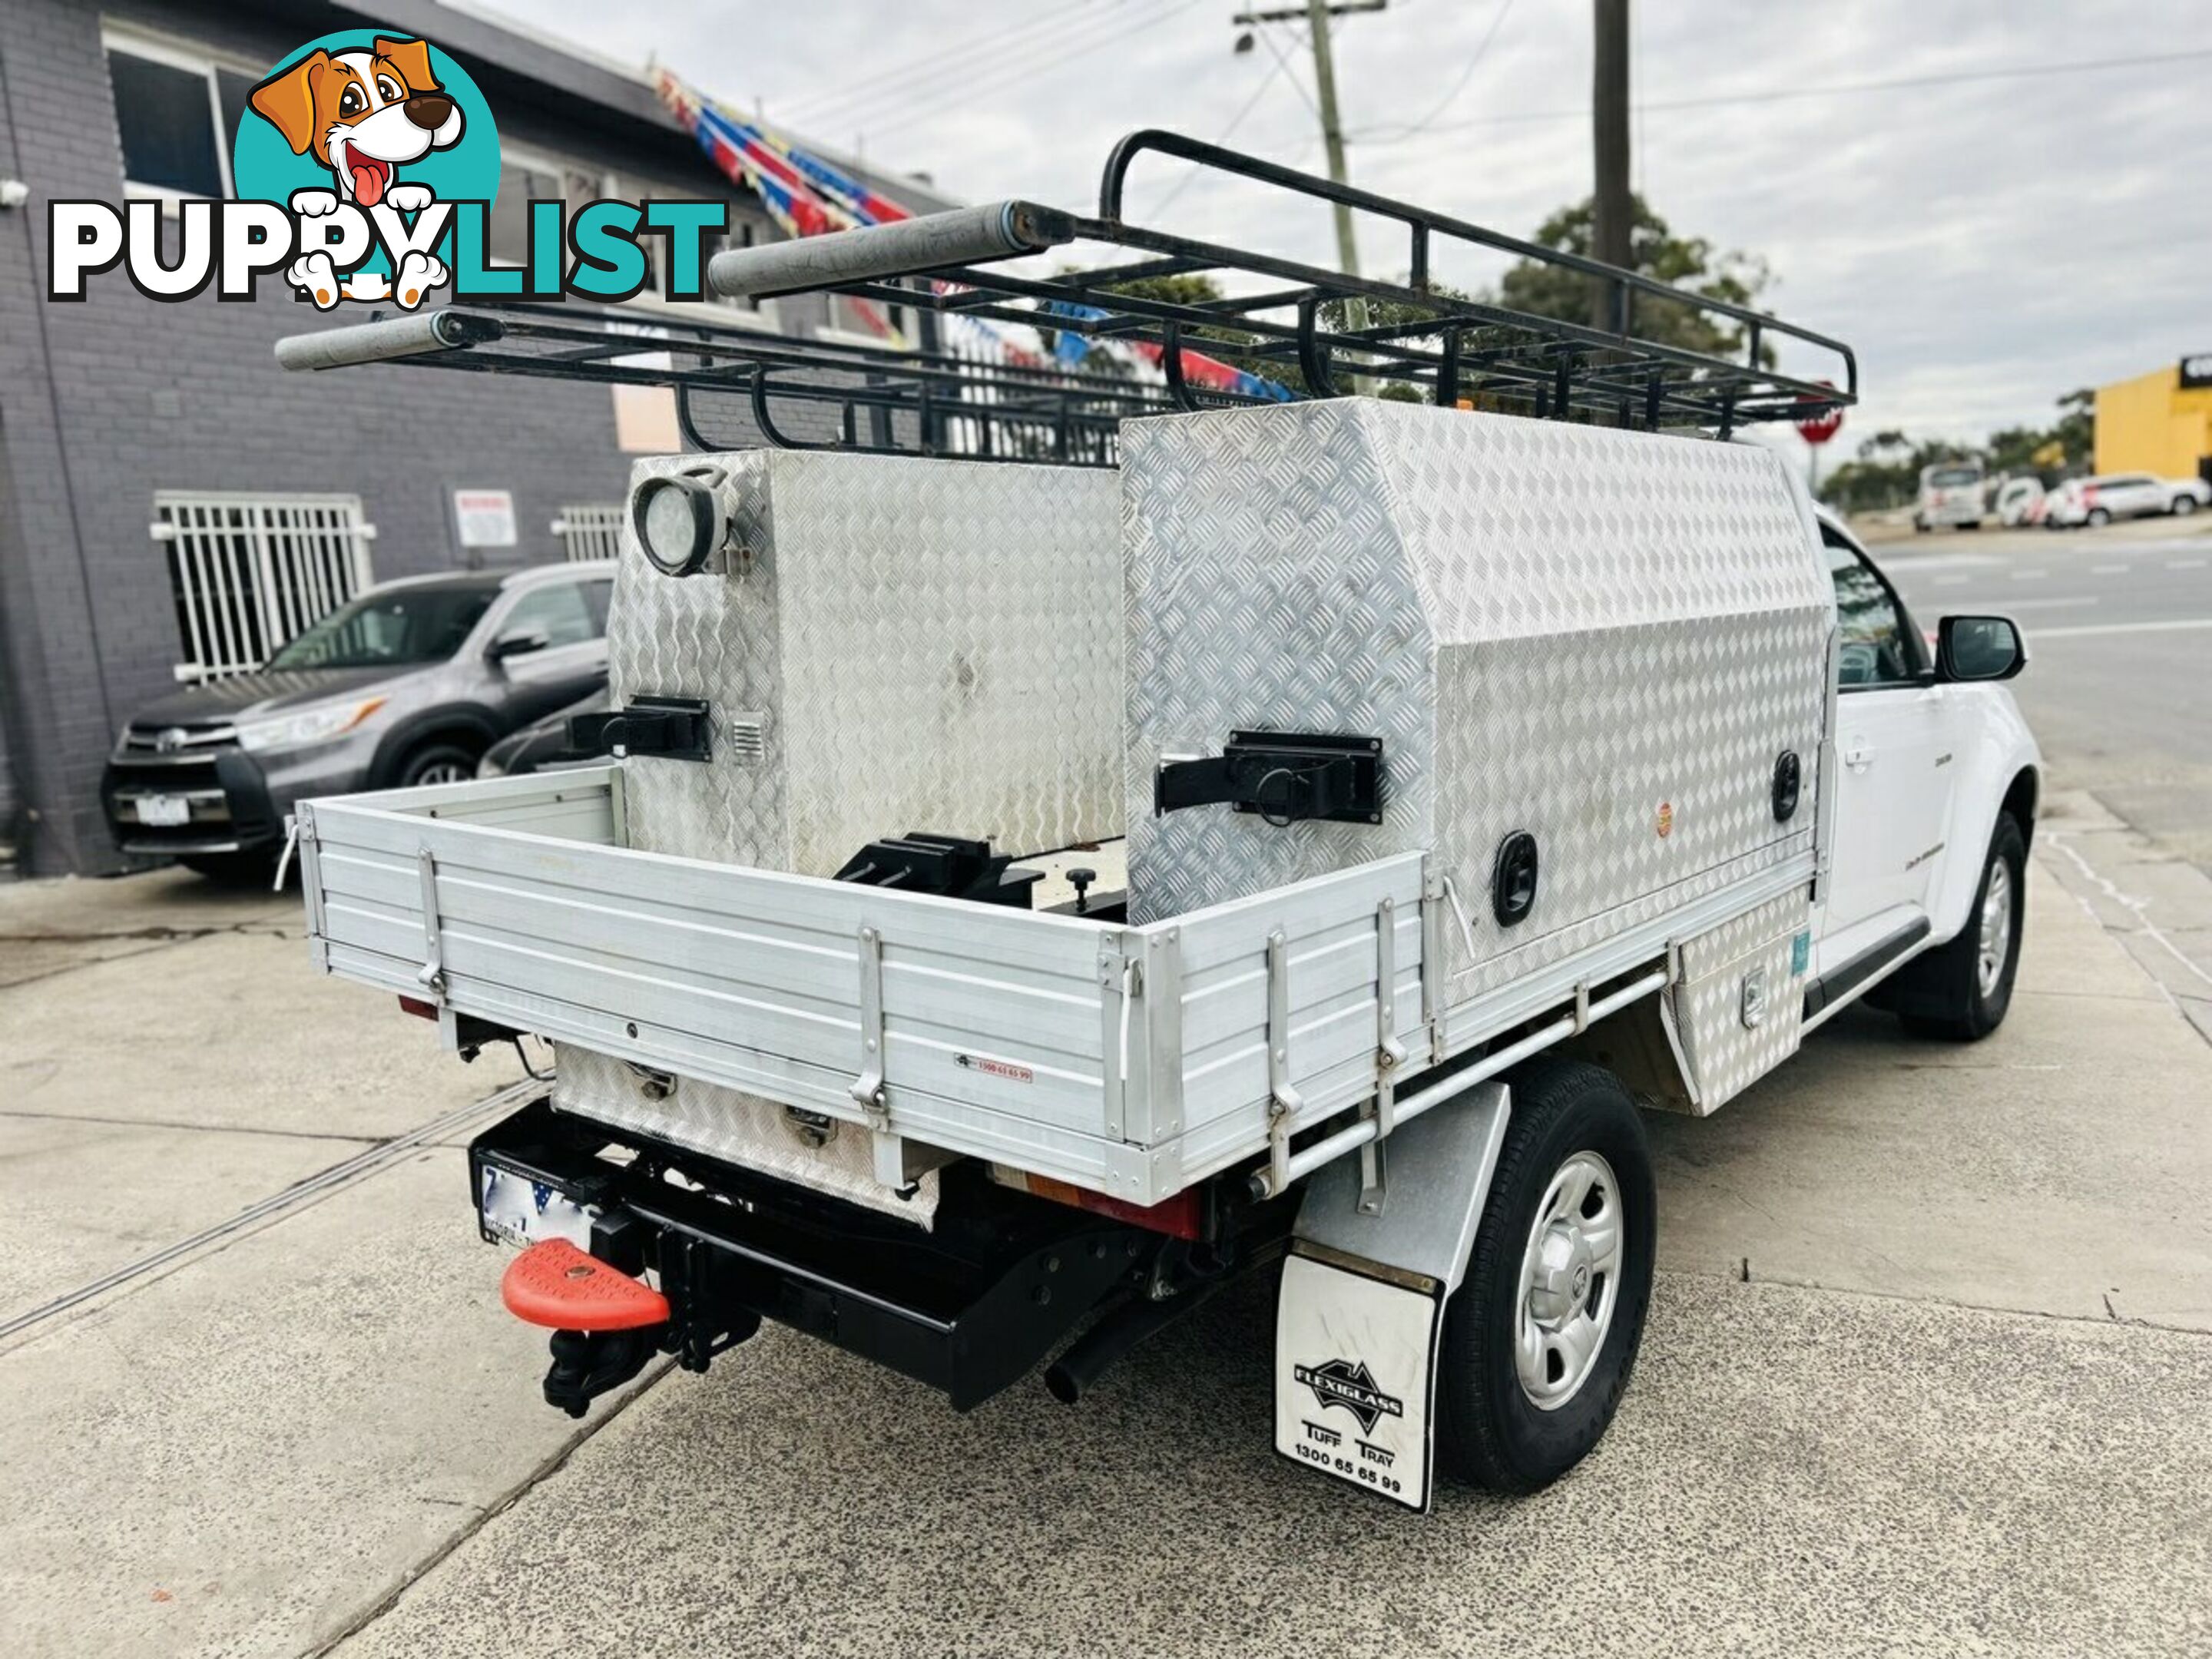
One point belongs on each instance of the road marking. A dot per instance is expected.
(2031, 604)
(2185, 564)
(2027, 575)
(2109, 569)
(2087, 629)
(1951, 581)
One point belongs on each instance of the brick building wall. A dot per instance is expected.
(103, 402)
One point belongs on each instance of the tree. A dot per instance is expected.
(1684, 262)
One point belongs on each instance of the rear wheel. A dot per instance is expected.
(2184, 506)
(1539, 1338)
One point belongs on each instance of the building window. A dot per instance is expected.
(525, 179)
(176, 113)
(593, 531)
(249, 572)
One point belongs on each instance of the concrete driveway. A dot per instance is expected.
(1927, 1372)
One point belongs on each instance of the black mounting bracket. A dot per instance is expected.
(1284, 776)
(672, 728)
(952, 867)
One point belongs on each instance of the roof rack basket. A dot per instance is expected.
(1317, 332)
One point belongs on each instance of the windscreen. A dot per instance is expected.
(380, 630)
(1952, 477)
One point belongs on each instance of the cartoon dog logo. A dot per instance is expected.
(364, 115)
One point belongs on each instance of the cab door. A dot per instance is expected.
(1893, 763)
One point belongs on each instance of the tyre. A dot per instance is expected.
(2184, 506)
(1961, 992)
(1541, 1337)
(1919, 524)
(2099, 517)
(1970, 523)
(441, 762)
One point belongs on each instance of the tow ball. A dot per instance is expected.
(605, 1324)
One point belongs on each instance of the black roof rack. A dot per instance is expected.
(1279, 317)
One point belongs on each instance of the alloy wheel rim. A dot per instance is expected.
(1570, 1275)
(1996, 929)
(443, 771)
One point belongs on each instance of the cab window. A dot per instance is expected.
(1876, 646)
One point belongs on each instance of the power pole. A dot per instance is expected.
(1612, 216)
(1316, 14)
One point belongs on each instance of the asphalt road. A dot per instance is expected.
(2118, 623)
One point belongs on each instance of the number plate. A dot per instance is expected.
(165, 812)
(517, 1211)
(1355, 1365)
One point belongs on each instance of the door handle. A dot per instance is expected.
(1859, 755)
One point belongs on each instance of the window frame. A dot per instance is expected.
(1922, 666)
(175, 52)
(500, 620)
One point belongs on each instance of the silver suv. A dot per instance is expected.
(408, 684)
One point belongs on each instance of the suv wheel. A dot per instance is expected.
(437, 762)
(2184, 506)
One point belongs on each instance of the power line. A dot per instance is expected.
(1007, 73)
(836, 98)
(1283, 62)
(1282, 65)
(1848, 88)
(1482, 48)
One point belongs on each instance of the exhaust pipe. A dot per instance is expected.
(1069, 1377)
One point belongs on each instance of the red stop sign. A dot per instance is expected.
(1819, 428)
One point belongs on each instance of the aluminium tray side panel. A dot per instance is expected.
(748, 979)
(905, 644)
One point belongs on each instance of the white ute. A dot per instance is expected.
(1068, 841)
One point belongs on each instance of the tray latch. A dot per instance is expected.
(1284, 776)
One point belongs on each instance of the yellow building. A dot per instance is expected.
(2158, 422)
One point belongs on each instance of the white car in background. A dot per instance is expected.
(2016, 501)
(2111, 495)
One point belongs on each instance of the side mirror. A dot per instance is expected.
(1979, 648)
(519, 642)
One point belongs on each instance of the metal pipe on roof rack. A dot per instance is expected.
(384, 339)
(1330, 1148)
(902, 248)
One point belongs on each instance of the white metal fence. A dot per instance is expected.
(592, 531)
(248, 572)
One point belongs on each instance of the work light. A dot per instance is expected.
(679, 521)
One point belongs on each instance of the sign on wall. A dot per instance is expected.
(485, 518)
(2197, 372)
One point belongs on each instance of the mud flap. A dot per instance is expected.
(1360, 1319)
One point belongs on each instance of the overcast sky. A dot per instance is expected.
(1985, 243)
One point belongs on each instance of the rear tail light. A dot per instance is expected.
(1181, 1216)
(2088, 494)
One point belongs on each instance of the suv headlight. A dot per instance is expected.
(308, 725)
